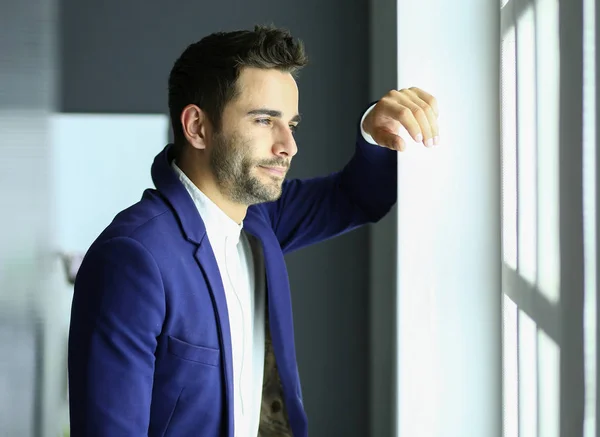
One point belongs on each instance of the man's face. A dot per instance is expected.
(252, 152)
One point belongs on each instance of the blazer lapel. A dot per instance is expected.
(210, 270)
(169, 186)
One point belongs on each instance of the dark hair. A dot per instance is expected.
(207, 71)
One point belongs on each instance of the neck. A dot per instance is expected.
(201, 176)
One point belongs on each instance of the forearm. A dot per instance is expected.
(371, 178)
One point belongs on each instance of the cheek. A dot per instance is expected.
(245, 159)
(255, 149)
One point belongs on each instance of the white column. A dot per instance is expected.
(449, 253)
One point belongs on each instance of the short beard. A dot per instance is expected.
(232, 167)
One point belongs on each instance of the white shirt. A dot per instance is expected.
(241, 265)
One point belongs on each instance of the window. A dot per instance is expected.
(538, 302)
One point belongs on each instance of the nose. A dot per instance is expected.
(285, 145)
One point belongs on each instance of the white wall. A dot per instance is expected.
(449, 277)
(101, 165)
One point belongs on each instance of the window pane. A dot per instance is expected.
(548, 365)
(547, 132)
(528, 382)
(589, 213)
(509, 150)
(526, 125)
(510, 369)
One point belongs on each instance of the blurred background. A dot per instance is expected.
(470, 310)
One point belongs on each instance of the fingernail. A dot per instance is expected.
(429, 142)
(436, 140)
(419, 138)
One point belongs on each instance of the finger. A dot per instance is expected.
(429, 113)
(408, 99)
(427, 98)
(388, 139)
(406, 113)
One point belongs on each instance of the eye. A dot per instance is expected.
(264, 121)
(294, 128)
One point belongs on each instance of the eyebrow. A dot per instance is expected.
(273, 113)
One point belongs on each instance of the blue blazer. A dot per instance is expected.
(149, 343)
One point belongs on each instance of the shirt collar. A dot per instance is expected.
(216, 221)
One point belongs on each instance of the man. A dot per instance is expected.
(181, 322)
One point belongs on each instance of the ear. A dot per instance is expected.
(196, 126)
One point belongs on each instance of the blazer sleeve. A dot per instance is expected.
(117, 314)
(314, 210)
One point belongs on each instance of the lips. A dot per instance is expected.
(276, 171)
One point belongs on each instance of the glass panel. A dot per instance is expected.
(547, 52)
(549, 387)
(509, 150)
(589, 215)
(526, 149)
(528, 383)
(510, 369)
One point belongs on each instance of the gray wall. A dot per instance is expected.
(383, 239)
(116, 57)
(27, 77)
